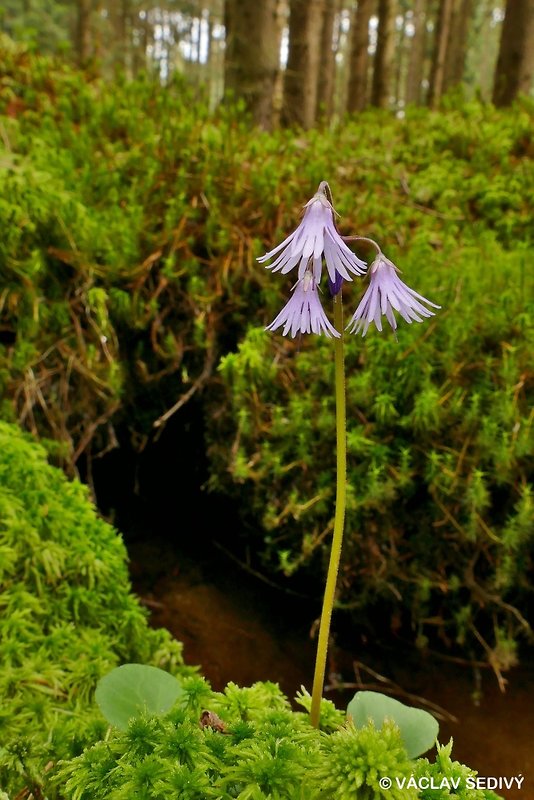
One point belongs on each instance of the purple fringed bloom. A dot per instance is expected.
(386, 292)
(316, 236)
(303, 313)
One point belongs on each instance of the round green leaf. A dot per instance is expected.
(135, 689)
(418, 728)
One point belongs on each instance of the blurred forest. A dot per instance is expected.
(297, 61)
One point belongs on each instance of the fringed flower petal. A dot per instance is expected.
(315, 237)
(303, 313)
(386, 293)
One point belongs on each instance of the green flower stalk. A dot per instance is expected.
(339, 519)
(315, 240)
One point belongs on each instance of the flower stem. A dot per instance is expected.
(363, 239)
(339, 519)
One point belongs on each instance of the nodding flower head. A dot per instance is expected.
(386, 293)
(316, 238)
(303, 313)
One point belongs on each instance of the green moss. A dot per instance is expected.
(67, 615)
(274, 755)
(354, 761)
(439, 442)
(131, 221)
(450, 778)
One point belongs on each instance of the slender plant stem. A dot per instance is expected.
(339, 519)
(363, 239)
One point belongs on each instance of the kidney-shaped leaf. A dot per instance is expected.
(135, 689)
(418, 728)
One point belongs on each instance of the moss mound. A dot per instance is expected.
(263, 751)
(67, 615)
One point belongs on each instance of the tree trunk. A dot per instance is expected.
(400, 59)
(515, 64)
(359, 56)
(120, 17)
(83, 31)
(414, 78)
(462, 13)
(137, 42)
(209, 34)
(327, 73)
(215, 54)
(278, 97)
(252, 55)
(301, 78)
(440, 52)
(385, 52)
(145, 40)
(96, 29)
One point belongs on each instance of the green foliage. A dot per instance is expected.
(131, 221)
(44, 24)
(264, 751)
(455, 775)
(66, 615)
(357, 759)
(418, 728)
(439, 428)
(119, 216)
(133, 689)
(330, 717)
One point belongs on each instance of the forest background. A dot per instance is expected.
(298, 61)
(149, 154)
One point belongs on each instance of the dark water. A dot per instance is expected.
(238, 629)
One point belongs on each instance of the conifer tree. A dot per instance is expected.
(515, 64)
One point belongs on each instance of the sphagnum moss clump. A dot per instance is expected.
(353, 762)
(264, 754)
(67, 614)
